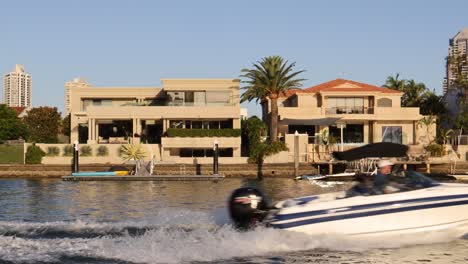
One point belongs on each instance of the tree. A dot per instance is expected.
(43, 123)
(65, 125)
(413, 93)
(395, 83)
(11, 126)
(433, 104)
(269, 78)
(253, 134)
(426, 122)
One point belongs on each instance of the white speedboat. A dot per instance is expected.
(420, 206)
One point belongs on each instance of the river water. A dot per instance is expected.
(51, 221)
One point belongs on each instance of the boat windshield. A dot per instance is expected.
(396, 182)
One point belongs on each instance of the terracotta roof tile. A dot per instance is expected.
(18, 109)
(291, 92)
(342, 85)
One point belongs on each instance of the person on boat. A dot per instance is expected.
(382, 183)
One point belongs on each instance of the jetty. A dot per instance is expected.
(146, 178)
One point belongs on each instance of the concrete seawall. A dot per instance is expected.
(228, 170)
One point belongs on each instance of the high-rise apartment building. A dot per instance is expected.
(17, 88)
(458, 47)
(69, 86)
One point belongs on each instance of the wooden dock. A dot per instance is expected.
(146, 178)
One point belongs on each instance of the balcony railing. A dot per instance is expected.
(176, 103)
(349, 110)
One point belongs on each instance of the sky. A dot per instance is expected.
(138, 43)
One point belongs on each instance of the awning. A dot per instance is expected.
(328, 121)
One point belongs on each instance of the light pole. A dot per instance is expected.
(215, 157)
(76, 156)
(296, 154)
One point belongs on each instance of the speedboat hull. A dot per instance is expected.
(437, 208)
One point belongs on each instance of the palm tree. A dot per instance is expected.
(395, 83)
(268, 79)
(132, 152)
(427, 121)
(413, 93)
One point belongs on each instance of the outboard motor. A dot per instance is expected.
(248, 206)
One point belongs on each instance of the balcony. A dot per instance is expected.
(349, 110)
(200, 142)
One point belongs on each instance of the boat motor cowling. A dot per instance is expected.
(248, 206)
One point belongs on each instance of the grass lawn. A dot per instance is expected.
(11, 154)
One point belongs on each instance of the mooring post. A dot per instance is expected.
(296, 154)
(215, 157)
(76, 156)
(330, 168)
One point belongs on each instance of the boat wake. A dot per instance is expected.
(169, 237)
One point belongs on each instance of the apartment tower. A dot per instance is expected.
(17, 88)
(458, 47)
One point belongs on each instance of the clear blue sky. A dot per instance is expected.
(122, 43)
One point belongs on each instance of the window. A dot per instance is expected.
(346, 105)
(392, 134)
(200, 153)
(352, 133)
(176, 124)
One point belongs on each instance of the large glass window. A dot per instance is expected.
(301, 129)
(196, 124)
(200, 153)
(392, 134)
(346, 105)
(352, 133)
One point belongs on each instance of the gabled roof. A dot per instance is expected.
(342, 85)
(18, 109)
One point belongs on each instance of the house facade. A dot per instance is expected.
(119, 115)
(350, 112)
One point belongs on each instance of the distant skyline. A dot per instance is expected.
(138, 43)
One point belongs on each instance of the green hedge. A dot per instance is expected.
(10, 154)
(34, 155)
(181, 132)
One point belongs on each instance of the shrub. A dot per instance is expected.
(86, 151)
(181, 132)
(102, 151)
(434, 149)
(53, 151)
(34, 155)
(68, 150)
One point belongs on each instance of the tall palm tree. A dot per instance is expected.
(268, 79)
(395, 83)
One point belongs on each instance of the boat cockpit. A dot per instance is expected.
(401, 181)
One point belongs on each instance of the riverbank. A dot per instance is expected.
(229, 170)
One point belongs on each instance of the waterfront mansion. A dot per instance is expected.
(192, 108)
(353, 113)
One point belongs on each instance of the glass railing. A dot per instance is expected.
(178, 104)
(349, 110)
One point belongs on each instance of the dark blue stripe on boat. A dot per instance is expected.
(366, 206)
(365, 214)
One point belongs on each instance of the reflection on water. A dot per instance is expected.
(51, 221)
